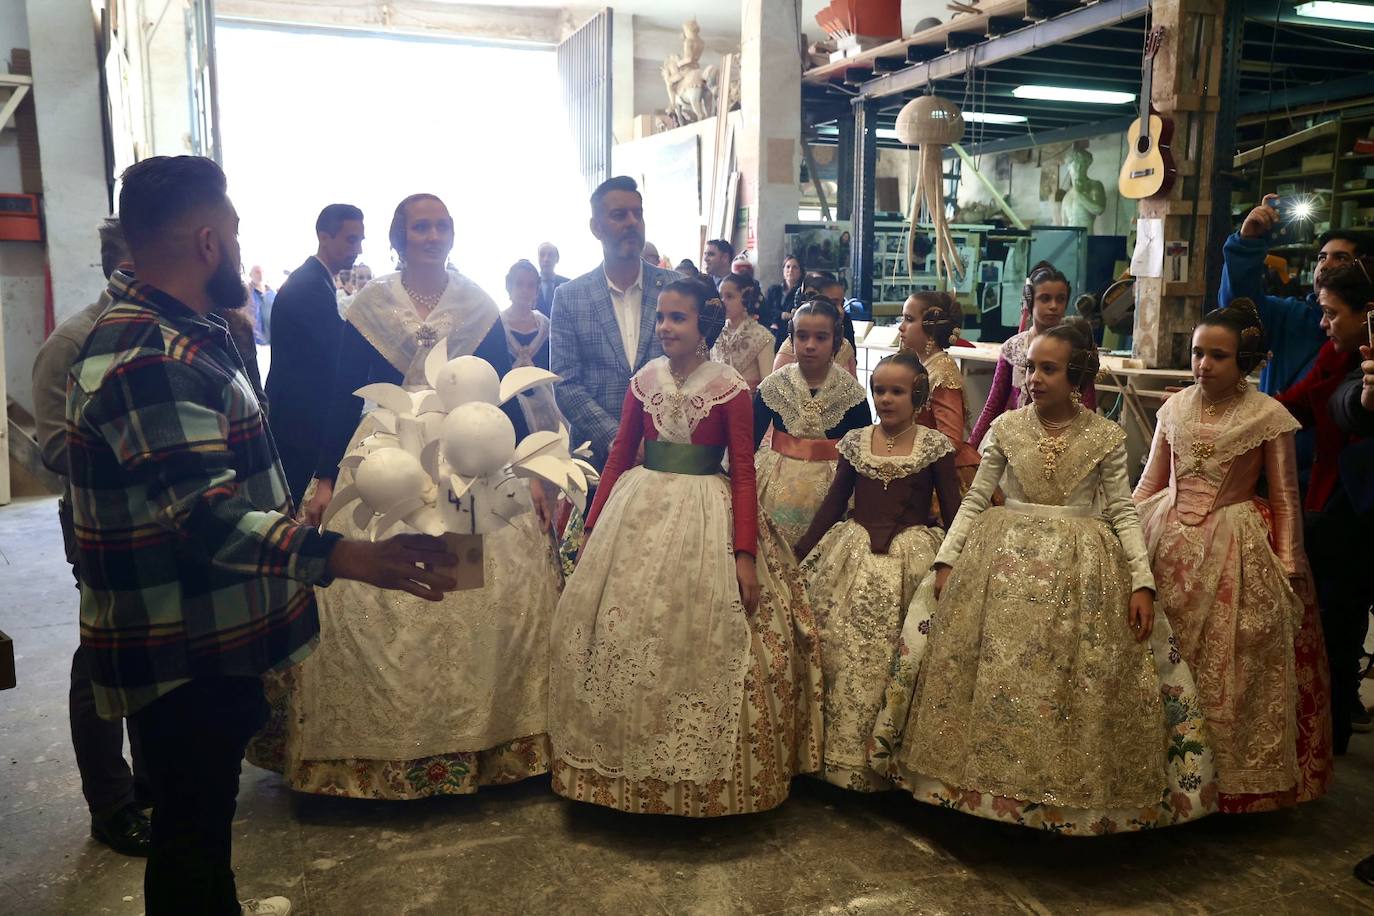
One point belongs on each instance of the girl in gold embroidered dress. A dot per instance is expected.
(1042, 690)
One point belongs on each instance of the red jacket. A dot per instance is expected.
(1307, 401)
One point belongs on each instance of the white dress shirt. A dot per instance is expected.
(628, 304)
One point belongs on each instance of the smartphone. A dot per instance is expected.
(1369, 325)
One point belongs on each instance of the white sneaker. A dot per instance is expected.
(267, 906)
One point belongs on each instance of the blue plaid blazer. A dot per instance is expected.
(589, 357)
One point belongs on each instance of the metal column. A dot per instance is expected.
(865, 165)
(1228, 91)
(844, 166)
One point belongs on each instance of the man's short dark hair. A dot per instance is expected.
(113, 248)
(618, 183)
(332, 218)
(1361, 240)
(159, 191)
(722, 245)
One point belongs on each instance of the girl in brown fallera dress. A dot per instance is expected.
(862, 573)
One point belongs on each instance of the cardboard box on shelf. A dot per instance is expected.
(1317, 162)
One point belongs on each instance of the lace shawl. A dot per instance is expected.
(943, 371)
(1255, 418)
(677, 411)
(1086, 442)
(523, 354)
(805, 416)
(385, 316)
(741, 347)
(927, 448)
(1014, 352)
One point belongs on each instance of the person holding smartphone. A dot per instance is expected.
(1294, 323)
(1339, 503)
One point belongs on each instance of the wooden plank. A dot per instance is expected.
(934, 36)
(1283, 143)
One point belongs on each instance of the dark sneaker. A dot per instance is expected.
(126, 831)
(1364, 870)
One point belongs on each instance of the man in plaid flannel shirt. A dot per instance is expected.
(195, 579)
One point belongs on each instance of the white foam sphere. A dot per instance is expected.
(468, 379)
(388, 476)
(478, 439)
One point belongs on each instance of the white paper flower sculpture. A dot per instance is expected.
(445, 458)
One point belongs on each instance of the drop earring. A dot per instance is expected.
(1077, 398)
(1243, 385)
(702, 351)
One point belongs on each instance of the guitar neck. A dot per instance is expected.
(1146, 86)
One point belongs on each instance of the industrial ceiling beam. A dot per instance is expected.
(1078, 22)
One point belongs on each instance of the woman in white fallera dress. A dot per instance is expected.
(405, 698)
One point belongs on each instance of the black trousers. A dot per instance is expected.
(1336, 542)
(193, 742)
(106, 780)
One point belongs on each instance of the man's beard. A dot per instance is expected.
(225, 288)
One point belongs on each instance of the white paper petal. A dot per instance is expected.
(341, 498)
(517, 380)
(392, 397)
(435, 361)
(363, 515)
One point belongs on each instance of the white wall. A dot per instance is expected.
(21, 263)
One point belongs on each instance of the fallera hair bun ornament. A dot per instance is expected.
(711, 320)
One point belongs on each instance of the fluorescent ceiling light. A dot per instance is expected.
(1333, 9)
(1071, 94)
(993, 117)
(983, 117)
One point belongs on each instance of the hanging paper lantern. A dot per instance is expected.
(932, 123)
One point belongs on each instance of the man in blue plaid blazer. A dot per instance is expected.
(603, 321)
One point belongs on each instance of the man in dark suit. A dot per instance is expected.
(549, 279)
(305, 341)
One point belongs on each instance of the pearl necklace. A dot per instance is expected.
(429, 302)
(1055, 425)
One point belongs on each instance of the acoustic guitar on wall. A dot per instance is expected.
(1149, 167)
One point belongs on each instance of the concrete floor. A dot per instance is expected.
(521, 850)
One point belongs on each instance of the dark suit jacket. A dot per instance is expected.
(305, 344)
(545, 301)
(1357, 458)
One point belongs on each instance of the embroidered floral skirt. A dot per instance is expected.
(665, 697)
(791, 490)
(1257, 653)
(393, 780)
(405, 697)
(1022, 696)
(860, 599)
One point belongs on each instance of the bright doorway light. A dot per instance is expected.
(314, 117)
(1073, 94)
(1333, 9)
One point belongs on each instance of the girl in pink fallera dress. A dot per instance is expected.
(1231, 573)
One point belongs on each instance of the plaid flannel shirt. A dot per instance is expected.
(190, 564)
